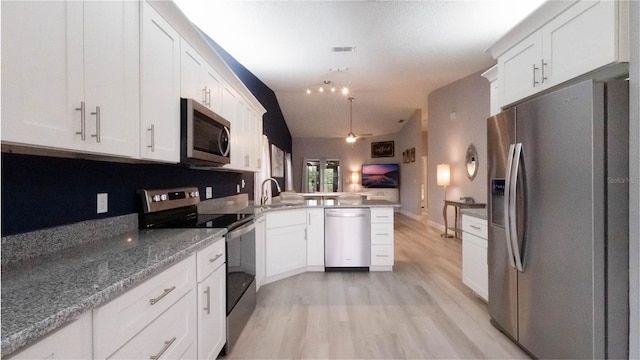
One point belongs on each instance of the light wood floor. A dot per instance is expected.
(420, 310)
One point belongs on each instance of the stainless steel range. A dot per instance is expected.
(177, 208)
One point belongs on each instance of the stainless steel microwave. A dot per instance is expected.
(204, 135)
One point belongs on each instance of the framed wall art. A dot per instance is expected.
(382, 149)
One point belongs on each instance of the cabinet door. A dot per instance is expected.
(286, 249)
(38, 103)
(315, 237)
(261, 234)
(111, 76)
(213, 86)
(191, 70)
(475, 271)
(581, 39)
(519, 69)
(73, 341)
(212, 314)
(159, 88)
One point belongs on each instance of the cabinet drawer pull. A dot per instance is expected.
(97, 114)
(475, 227)
(382, 233)
(543, 65)
(166, 346)
(152, 146)
(215, 258)
(164, 293)
(382, 255)
(82, 131)
(208, 307)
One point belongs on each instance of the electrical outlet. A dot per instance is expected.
(103, 203)
(209, 194)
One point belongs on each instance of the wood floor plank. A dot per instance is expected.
(421, 310)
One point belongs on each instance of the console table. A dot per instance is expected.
(457, 205)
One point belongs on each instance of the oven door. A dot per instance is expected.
(241, 262)
(205, 135)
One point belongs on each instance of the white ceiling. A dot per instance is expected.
(403, 51)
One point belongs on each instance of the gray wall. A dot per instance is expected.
(458, 115)
(354, 155)
(634, 193)
(410, 136)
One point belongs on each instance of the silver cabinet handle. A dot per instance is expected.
(535, 68)
(204, 95)
(215, 258)
(97, 114)
(543, 65)
(166, 346)
(153, 134)
(82, 131)
(475, 227)
(209, 96)
(382, 255)
(382, 233)
(208, 307)
(164, 293)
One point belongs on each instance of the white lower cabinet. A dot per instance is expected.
(118, 321)
(381, 239)
(171, 336)
(315, 238)
(212, 310)
(73, 341)
(261, 237)
(475, 271)
(286, 245)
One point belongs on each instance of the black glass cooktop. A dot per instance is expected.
(186, 218)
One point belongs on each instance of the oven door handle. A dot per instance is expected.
(242, 230)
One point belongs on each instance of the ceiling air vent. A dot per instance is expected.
(343, 48)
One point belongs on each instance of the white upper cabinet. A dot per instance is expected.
(159, 88)
(74, 84)
(519, 69)
(198, 79)
(559, 42)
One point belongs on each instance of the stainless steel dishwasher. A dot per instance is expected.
(347, 238)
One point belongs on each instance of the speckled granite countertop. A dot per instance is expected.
(42, 294)
(323, 203)
(478, 213)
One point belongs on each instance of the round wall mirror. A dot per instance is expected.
(472, 162)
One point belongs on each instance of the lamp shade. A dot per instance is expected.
(443, 175)
(355, 177)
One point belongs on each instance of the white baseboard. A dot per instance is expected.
(435, 225)
(411, 215)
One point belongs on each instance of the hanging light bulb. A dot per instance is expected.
(351, 137)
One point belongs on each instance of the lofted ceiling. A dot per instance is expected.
(403, 51)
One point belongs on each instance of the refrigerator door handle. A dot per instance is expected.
(507, 205)
(513, 225)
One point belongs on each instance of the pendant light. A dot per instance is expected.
(351, 137)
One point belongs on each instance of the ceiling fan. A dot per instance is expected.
(351, 137)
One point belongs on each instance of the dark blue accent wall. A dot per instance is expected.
(40, 192)
(274, 125)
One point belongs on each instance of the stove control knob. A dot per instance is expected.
(155, 198)
(163, 197)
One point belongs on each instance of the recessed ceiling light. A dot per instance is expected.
(343, 48)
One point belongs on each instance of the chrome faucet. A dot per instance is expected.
(264, 195)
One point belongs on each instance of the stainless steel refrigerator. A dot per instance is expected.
(558, 222)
